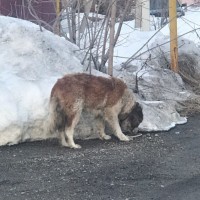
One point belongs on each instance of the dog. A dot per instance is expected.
(109, 99)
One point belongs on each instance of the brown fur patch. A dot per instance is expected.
(91, 89)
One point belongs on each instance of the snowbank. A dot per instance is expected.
(30, 63)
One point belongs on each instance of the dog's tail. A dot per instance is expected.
(56, 119)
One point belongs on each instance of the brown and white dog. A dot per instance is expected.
(108, 98)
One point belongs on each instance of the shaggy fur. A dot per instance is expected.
(107, 98)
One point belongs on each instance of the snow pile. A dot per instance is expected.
(160, 116)
(30, 63)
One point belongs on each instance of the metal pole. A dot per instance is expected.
(173, 35)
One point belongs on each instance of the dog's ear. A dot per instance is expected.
(136, 107)
(139, 111)
(137, 104)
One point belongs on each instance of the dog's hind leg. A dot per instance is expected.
(100, 124)
(63, 139)
(69, 131)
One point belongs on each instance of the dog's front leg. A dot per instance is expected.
(113, 121)
(100, 125)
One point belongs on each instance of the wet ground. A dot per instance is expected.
(156, 166)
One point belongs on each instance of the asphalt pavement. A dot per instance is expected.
(155, 166)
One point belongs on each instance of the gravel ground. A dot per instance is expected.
(155, 166)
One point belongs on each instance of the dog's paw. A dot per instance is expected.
(104, 137)
(107, 137)
(124, 138)
(76, 146)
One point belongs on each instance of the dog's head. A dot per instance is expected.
(131, 120)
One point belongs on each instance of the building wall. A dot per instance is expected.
(45, 11)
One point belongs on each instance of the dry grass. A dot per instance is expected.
(189, 107)
(191, 77)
